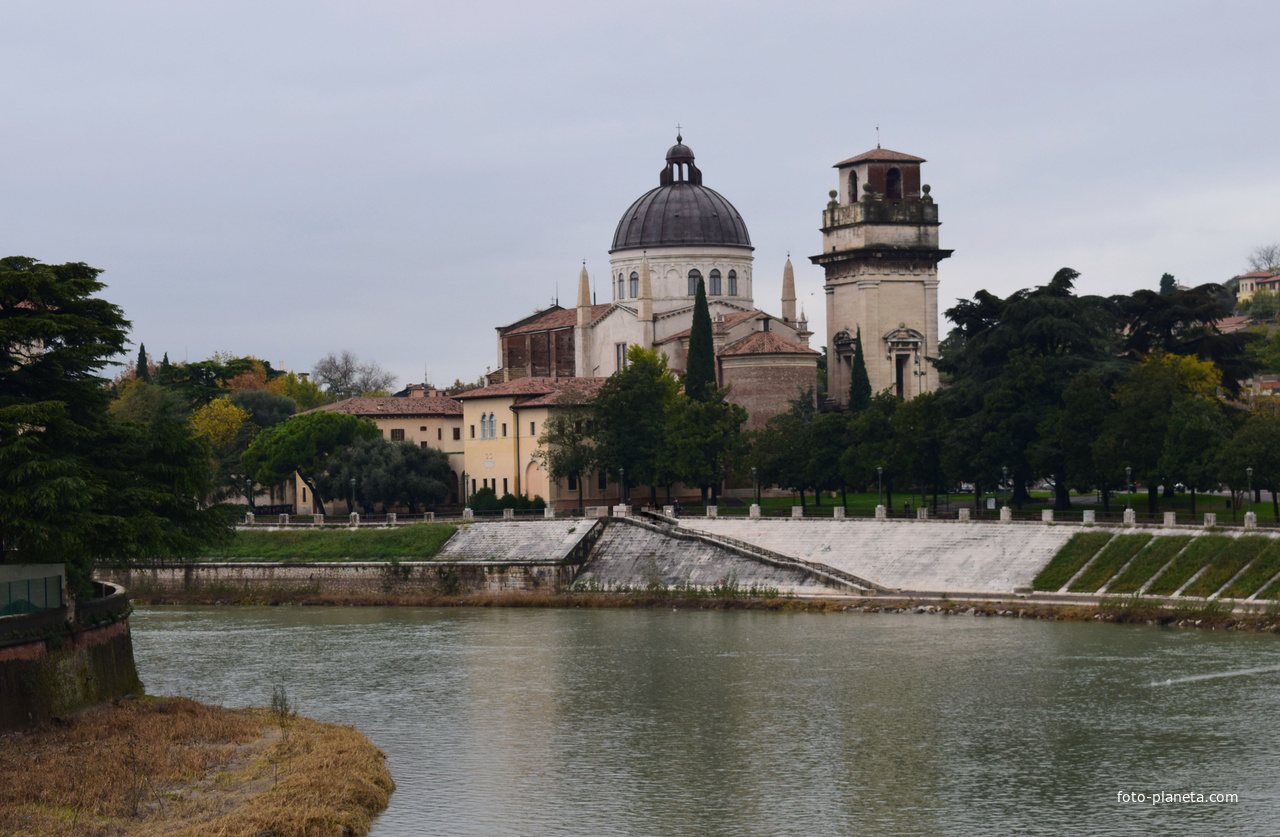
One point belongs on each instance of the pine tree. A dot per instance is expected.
(1168, 284)
(700, 371)
(859, 383)
(142, 371)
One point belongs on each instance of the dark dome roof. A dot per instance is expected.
(680, 211)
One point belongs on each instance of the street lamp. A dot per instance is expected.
(880, 485)
(1249, 473)
(622, 482)
(248, 492)
(755, 484)
(1128, 487)
(463, 496)
(1004, 470)
(353, 495)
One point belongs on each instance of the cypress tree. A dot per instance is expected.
(1168, 284)
(859, 383)
(700, 371)
(142, 372)
(164, 374)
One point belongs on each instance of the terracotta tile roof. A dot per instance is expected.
(765, 343)
(730, 320)
(533, 387)
(392, 406)
(880, 155)
(1227, 325)
(1259, 274)
(581, 389)
(553, 318)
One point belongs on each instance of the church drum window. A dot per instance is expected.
(733, 283)
(635, 284)
(622, 287)
(893, 185)
(714, 284)
(694, 277)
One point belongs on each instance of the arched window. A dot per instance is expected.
(694, 276)
(635, 284)
(622, 288)
(714, 289)
(893, 185)
(853, 187)
(733, 283)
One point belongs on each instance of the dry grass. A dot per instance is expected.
(175, 767)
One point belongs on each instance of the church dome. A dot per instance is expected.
(681, 211)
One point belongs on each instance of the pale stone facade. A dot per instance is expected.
(880, 254)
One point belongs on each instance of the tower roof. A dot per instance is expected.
(879, 155)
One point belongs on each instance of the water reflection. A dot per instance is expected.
(661, 722)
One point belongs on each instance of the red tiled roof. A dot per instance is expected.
(1229, 324)
(392, 406)
(579, 389)
(531, 387)
(1259, 274)
(730, 320)
(555, 318)
(880, 155)
(765, 343)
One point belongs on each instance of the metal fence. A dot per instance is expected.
(30, 595)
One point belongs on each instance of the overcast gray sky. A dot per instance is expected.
(397, 178)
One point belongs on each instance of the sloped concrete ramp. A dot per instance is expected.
(632, 555)
(516, 540)
(908, 555)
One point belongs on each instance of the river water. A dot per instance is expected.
(617, 722)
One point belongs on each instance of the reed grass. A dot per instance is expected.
(1227, 563)
(1069, 559)
(1201, 551)
(1148, 562)
(1266, 565)
(1113, 556)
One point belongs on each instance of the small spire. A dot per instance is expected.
(788, 292)
(877, 136)
(584, 287)
(679, 138)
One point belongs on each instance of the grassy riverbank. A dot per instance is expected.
(170, 766)
(418, 542)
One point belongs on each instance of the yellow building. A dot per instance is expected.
(501, 425)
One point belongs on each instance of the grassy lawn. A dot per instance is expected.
(1149, 562)
(1201, 551)
(1113, 556)
(1069, 560)
(1227, 563)
(419, 541)
(1259, 573)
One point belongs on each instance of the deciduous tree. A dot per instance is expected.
(343, 375)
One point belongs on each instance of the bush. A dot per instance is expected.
(485, 500)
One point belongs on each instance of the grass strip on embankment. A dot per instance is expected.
(1263, 568)
(1113, 556)
(1226, 564)
(1148, 563)
(418, 541)
(1068, 561)
(170, 766)
(1201, 551)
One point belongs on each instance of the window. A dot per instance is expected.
(733, 283)
(714, 290)
(602, 480)
(439, 434)
(473, 486)
(504, 430)
(397, 435)
(853, 187)
(893, 185)
(423, 445)
(573, 483)
(423, 427)
(457, 432)
(304, 495)
(635, 284)
(764, 324)
(504, 486)
(473, 431)
(532, 431)
(622, 287)
(694, 277)
(620, 355)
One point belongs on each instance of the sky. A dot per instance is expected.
(287, 179)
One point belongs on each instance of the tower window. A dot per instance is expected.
(893, 185)
(733, 283)
(694, 278)
(473, 431)
(635, 284)
(853, 187)
(714, 289)
(622, 287)
(620, 355)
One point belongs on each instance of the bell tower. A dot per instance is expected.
(880, 255)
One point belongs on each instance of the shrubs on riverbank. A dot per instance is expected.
(418, 541)
(172, 766)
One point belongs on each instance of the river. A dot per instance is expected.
(653, 722)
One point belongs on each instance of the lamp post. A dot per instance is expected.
(622, 483)
(755, 484)
(879, 485)
(462, 497)
(1004, 482)
(1249, 473)
(353, 495)
(248, 493)
(1128, 487)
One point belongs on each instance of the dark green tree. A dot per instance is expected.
(919, 431)
(164, 372)
(781, 452)
(700, 368)
(1168, 284)
(565, 448)
(701, 438)
(1066, 438)
(142, 370)
(390, 474)
(873, 444)
(266, 409)
(304, 444)
(859, 383)
(1196, 434)
(1255, 445)
(630, 413)
(78, 485)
